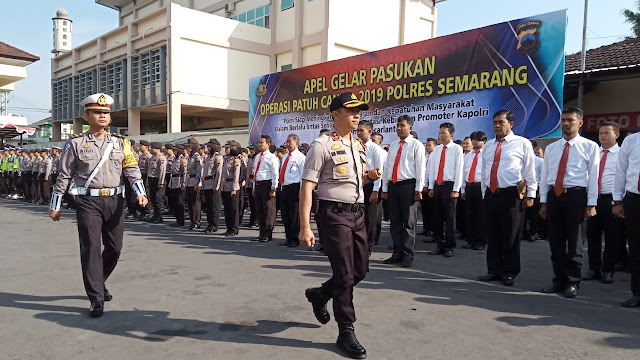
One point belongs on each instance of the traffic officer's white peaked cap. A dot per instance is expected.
(101, 102)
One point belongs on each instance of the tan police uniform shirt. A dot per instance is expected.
(36, 165)
(230, 179)
(143, 162)
(194, 170)
(158, 168)
(82, 154)
(212, 172)
(337, 166)
(45, 167)
(179, 173)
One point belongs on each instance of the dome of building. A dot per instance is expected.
(62, 13)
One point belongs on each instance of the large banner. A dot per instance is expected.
(462, 78)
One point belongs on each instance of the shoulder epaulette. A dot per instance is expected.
(117, 135)
(74, 136)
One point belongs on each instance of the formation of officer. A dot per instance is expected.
(289, 181)
(265, 183)
(93, 164)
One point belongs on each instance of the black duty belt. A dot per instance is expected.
(209, 177)
(445, 183)
(473, 184)
(568, 190)
(262, 182)
(152, 177)
(227, 180)
(505, 190)
(338, 206)
(176, 175)
(291, 185)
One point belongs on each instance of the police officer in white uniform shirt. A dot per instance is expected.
(472, 193)
(290, 179)
(265, 176)
(96, 161)
(626, 197)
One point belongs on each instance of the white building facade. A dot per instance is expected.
(184, 65)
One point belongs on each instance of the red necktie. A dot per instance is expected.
(562, 169)
(493, 180)
(255, 176)
(394, 174)
(602, 162)
(474, 164)
(283, 170)
(443, 155)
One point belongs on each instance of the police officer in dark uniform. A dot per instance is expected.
(337, 162)
(95, 161)
(212, 171)
(157, 172)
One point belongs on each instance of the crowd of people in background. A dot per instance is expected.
(489, 193)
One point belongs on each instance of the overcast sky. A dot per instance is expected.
(27, 25)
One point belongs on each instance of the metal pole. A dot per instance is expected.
(583, 57)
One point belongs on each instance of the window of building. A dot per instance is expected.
(64, 29)
(64, 43)
(64, 37)
(64, 23)
(286, 67)
(286, 4)
(258, 16)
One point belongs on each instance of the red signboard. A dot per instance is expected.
(627, 121)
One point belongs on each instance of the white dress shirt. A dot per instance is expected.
(376, 156)
(268, 169)
(468, 161)
(609, 171)
(411, 164)
(295, 166)
(628, 168)
(517, 163)
(453, 165)
(427, 159)
(583, 164)
(539, 164)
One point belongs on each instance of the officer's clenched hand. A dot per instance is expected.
(527, 202)
(618, 210)
(374, 174)
(54, 215)
(272, 193)
(306, 237)
(384, 196)
(142, 200)
(543, 211)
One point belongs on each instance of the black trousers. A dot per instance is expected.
(167, 191)
(17, 182)
(614, 233)
(27, 178)
(344, 238)
(372, 216)
(632, 219)
(230, 204)
(2, 184)
(504, 210)
(212, 201)
(428, 213)
(100, 223)
(177, 201)
(461, 218)
(193, 204)
(289, 208)
(129, 196)
(445, 215)
(265, 208)
(403, 212)
(253, 218)
(475, 213)
(567, 234)
(240, 197)
(35, 179)
(157, 194)
(45, 189)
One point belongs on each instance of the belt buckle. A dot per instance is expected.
(224, 180)
(105, 192)
(564, 190)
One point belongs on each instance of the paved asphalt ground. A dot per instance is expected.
(187, 295)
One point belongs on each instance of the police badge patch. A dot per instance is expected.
(528, 40)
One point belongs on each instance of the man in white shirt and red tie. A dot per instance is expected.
(402, 185)
(509, 186)
(289, 179)
(265, 176)
(626, 197)
(426, 205)
(445, 181)
(603, 265)
(472, 193)
(376, 158)
(569, 195)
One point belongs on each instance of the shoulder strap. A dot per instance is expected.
(104, 158)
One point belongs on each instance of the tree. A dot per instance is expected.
(633, 18)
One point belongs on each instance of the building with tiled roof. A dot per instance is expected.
(10, 52)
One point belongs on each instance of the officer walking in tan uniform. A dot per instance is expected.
(157, 172)
(211, 184)
(178, 183)
(143, 163)
(229, 186)
(194, 185)
(45, 176)
(337, 163)
(95, 162)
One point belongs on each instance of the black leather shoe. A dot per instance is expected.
(571, 291)
(319, 303)
(436, 251)
(634, 301)
(96, 309)
(177, 224)
(265, 239)
(394, 259)
(407, 261)
(348, 343)
(293, 244)
(553, 288)
(193, 227)
(467, 246)
(448, 253)
(607, 278)
(231, 233)
(285, 243)
(489, 277)
(210, 229)
(107, 295)
(592, 275)
(157, 220)
(130, 216)
(507, 280)
(532, 238)
(257, 239)
(478, 247)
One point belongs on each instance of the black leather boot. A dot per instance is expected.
(96, 309)
(348, 343)
(319, 303)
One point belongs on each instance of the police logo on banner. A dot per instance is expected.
(528, 41)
